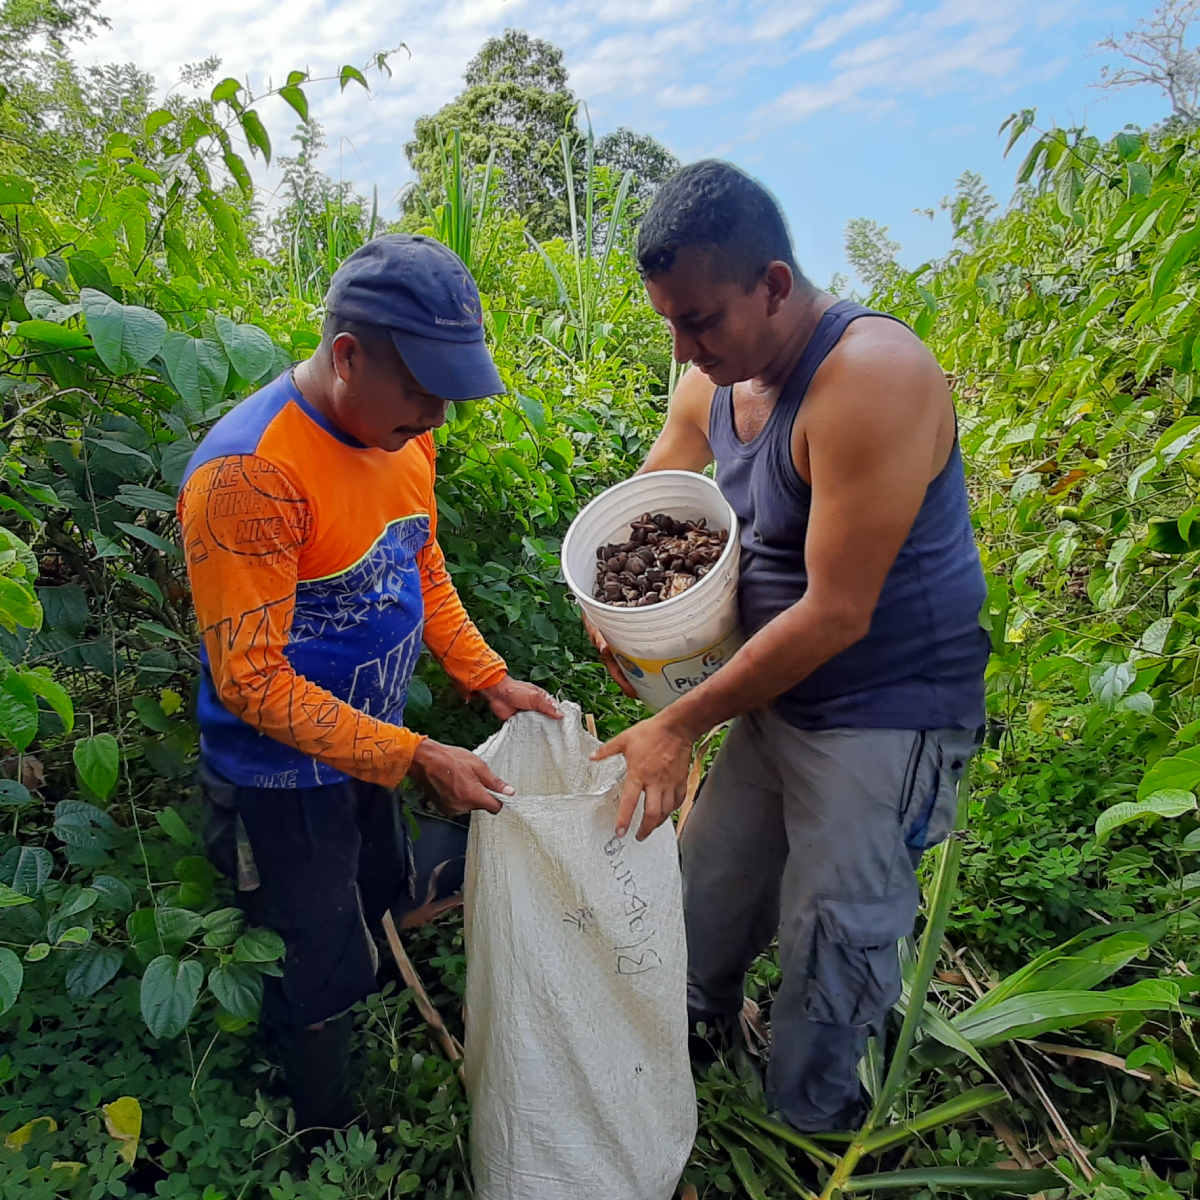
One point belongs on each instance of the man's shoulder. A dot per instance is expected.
(875, 340)
(240, 431)
(878, 380)
(693, 396)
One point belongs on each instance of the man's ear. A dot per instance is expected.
(780, 283)
(346, 354)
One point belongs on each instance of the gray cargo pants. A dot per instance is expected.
(814, 834)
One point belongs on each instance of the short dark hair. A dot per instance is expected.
(716, 207)
(374, 338)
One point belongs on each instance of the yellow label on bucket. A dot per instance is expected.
(660, 680)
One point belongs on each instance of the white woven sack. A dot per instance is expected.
(576, 1047)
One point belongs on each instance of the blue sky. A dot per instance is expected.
(844, 108)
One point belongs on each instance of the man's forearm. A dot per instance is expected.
(780, 655)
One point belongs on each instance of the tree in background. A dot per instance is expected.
(51, 110)
(1158, 51)
(649, 160)
(970, 208)
(517, 102)
(321, 221)
(872, 253)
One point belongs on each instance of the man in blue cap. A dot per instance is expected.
(309, 528)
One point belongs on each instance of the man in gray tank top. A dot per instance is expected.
(857, 698)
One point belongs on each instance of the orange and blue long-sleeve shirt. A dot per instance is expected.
(316, 574)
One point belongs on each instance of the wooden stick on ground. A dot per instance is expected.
(695, 775)
(432, 1017)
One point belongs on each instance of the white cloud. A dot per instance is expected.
(834, 28)
(634, 61)
(807, 99)
(950, 46)
(783, 17)
(696, 96)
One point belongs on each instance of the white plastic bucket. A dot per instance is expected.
(665, 649)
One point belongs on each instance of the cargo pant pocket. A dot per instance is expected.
(855, 976)
(937, 815)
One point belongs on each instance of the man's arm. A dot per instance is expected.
(454, 639)
(450, 634)
(871, 437)
(683, 443)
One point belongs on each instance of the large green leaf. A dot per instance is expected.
(83, 825)
(91, 968)
(11, 898)
(296, 98)
(89, 271)
(65, 607)
(174, 826)
(32, 866)
(12, 975)
(768, 1150)
(16, 190)
(935, 1025)
(144, 497)
(13, 794)
(1036, 1013)
(198, 368)
(1059, 971)
(175, 460)
(19, 605)
(42, 305)
(54, 694)
(259, 946)
(169, 993)
(1111, 681)
(223, 927)
(1169, 802)
(743, 1166)
(114, 893)
(238, 988)
(126, 337)
(162, 930)
(225, 91)
(250, 349)
(18, 711)
(50, 334)
(1180, 250)
(98, 761)
(256, 133)
(1180, 771)
(147, 536)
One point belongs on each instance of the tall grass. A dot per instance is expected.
(459, 220)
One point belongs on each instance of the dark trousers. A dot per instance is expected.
(321, 866)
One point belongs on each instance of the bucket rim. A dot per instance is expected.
(588, 601)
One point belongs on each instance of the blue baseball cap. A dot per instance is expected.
(423, 294)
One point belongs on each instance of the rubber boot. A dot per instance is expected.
(316, 1065)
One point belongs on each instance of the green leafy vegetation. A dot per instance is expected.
(1045, 1041)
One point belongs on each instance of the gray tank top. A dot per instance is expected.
(921, 665)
